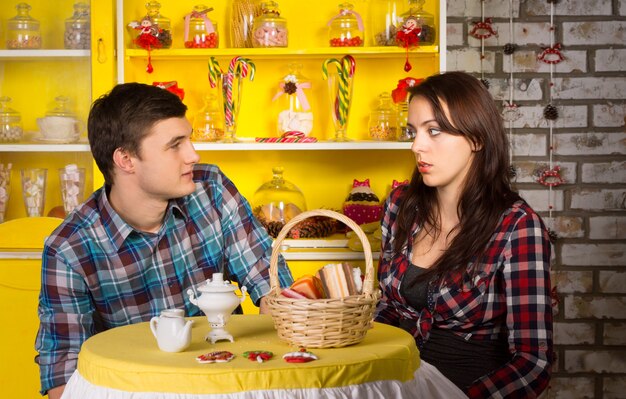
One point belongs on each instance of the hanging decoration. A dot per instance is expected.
(409, 37)
(510, 110)
(482, 30)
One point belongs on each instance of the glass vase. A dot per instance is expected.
(231, 90)
(340, 99)
(5, 189)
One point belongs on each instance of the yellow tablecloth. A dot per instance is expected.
(127, 359)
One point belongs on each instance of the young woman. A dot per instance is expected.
(465, 261)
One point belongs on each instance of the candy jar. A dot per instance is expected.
(385, 20)
(295, 112)
(243, 13)
(417, 23)
(23, 30)
(270, 29)
(200, 30)
(277, 201)
(154, 30)
(10, 122)
(406, 134)
(383, 124)
(208, 124)
(77, 30)
(346, 28)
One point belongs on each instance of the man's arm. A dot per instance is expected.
(56, 392)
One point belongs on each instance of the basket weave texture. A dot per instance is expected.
(322, 323)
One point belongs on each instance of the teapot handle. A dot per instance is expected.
(153, 325)
(243, 290)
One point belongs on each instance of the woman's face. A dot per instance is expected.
(442, 158)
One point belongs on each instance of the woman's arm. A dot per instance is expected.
(528, 317)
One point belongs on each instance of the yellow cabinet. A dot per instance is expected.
(33, 78)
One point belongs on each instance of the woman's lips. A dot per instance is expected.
(423, 167)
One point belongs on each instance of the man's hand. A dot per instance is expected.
(56, 392)
(263, 307)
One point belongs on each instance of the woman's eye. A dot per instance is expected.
(433, 131)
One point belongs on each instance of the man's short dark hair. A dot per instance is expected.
(124, 116)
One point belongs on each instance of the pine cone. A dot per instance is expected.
(314, 227)
(485, 82)
(274, 228)
(510, 48)
(550, 112)
(512, 172)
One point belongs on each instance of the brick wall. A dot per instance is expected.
(589, 139)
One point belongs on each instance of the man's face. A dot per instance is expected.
(166, 158)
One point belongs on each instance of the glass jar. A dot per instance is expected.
(278, 200)
(243, 13)
(154, 30)
(208, 124)
(77, 28)
(200, 31)
(406, 134)
(346, 28)
(10, 122)
(385, 20)
(383, 124)
(270, 29)
(295, 111)
(23, 30)
(420, 22)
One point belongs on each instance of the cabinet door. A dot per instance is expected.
(34, 77)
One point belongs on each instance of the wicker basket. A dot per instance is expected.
(322, 323)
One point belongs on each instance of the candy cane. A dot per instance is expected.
(214, 71)
(241, 66)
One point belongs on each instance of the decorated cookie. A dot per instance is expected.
(302, 356)
(215, 357)
(362, 205)
(259, 356)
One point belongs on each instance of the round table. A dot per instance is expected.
(125, 361)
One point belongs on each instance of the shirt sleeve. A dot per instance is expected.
(65, 320)
(248, 247)
(529, 316)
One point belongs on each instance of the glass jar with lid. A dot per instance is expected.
(418, 22)
(346, 28)
(242, 16)
(23, 31)
(383, 124)
(270, 29)
(200, 30)
(77, 28)
(295, 110)
(386, 20)
(277, 201)
(10, 122)
(208, 123)
(60, 124)
(154, 30)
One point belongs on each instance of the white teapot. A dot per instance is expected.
(171, 331)
(217, 301)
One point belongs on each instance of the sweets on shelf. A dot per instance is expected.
(362, 205)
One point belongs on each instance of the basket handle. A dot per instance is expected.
(368, 282)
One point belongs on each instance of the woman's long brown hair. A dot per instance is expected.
(486, 193)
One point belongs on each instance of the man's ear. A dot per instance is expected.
(123, 160)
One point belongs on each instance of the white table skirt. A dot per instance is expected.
(428, 383)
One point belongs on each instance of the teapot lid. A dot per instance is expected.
(217, 284)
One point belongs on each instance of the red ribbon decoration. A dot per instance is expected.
(399, 94)
(398, 183)
(483, 29)
(551, 177)
(408, 37)
(364, 183)
(551, 55)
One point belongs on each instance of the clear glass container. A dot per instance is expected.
(270, 29)
(417, 18)
(77, 28)
(278, 200)
(23, 30)
(344, 29)
(295, 113)
(10, 122)
(208, 123)
(61, 108)
(200, 30)
(405, 134)
(386, 20)
(154, 30)
(383, 124)
(243, 13)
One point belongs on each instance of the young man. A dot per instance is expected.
(161, 224)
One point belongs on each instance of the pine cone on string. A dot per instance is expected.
(512, 172)
(553, 236)
(509, 48)
(550, 112)
(485, 82)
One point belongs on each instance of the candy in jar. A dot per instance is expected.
(383, 123)
(153, 31)
(77, 28)
(270, 29)
(295, 112)
(200, 30)
(346, 28)
(208, 124)
(10, 122)
(23, 30)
